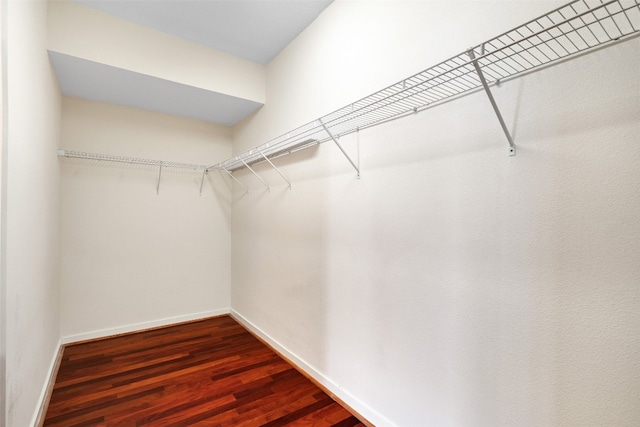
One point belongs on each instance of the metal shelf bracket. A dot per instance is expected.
(204, 172)
(340, 147)
(246, 190)
(158, 183)
(275, 168)
(256, 174)
(485, 85)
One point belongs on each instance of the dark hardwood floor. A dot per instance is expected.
(206, 373)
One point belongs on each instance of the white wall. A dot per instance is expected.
(132, 258)
(32, 207)
(452, 284)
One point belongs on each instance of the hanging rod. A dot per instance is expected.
(576, 27)
(136, 161)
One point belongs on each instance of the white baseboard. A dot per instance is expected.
(41, 408)
(358, 406)
(141, 326)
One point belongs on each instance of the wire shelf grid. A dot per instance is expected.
(568, 30)
(129, 160)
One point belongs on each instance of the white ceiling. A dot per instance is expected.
(255, 30)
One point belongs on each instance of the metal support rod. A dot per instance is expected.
(204, 172)
(158, 184)
(235, 179)
(358, 148)
(254, 172)
(276, 169)
(512, 146)
(340, 147)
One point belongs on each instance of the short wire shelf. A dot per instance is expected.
(202, 169)
(129, 160)
(576, 27)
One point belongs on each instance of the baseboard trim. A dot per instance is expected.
(139, 327)
(47, 389)
(363, 412)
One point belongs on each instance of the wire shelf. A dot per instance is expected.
(129, 160)
(161, 164)
(576, 27)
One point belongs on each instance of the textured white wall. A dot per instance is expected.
(32, 209)
(131, 258)
(452, 284)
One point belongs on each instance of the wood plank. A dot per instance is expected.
(210, 372)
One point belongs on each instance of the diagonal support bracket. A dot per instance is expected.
(204, 172)
(485, 85)
(158, 181)
(340, 147)
(256, 174)
(236, 180)
(275, 168)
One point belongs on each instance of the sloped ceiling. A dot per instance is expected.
(254, 30)
(99, 82)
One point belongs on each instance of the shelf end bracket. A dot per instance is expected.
(485, 85)
(340, 147)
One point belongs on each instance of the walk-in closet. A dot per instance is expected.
(320, 212)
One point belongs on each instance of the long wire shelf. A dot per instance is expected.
(576, 27)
